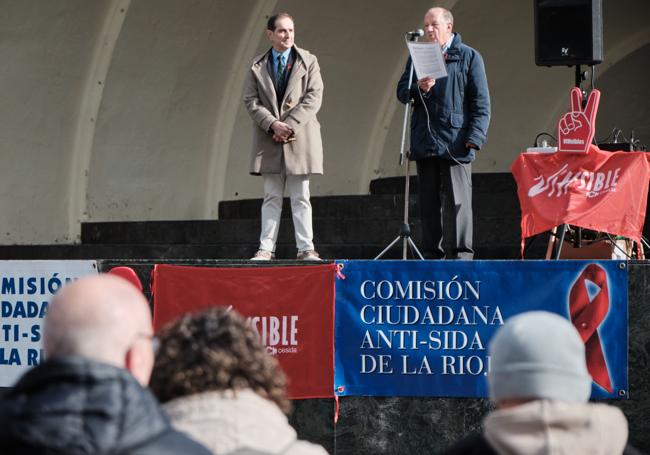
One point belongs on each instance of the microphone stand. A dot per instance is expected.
(405, 228)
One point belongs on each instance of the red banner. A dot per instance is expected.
(603, 191)
(292, 309)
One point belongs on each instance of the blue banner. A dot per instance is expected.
(422, 328)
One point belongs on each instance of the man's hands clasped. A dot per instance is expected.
(282, 132)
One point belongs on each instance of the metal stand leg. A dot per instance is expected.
(558, 247)
(405, 229)
(555, 241)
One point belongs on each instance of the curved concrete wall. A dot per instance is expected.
(46, 49)
(131, 110)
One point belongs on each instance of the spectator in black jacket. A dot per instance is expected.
(89, 396)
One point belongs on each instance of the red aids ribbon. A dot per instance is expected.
(339, 273)
(587, 315)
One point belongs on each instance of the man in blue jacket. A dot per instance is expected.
(448, 126)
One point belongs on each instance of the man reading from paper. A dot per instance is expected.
(449, 124)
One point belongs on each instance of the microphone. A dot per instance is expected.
(415, 33)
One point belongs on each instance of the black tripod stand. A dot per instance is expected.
(405, 229)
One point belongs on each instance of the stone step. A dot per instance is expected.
(487, 229)
(354, 227)
(325, 207)
(375, 206)
(235, 252)
(502, 182)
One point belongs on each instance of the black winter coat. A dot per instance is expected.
(78, 406)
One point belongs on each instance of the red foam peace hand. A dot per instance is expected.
(576, 128)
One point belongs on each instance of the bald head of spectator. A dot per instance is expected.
(103, 318)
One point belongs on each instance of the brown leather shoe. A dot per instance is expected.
(308, 255)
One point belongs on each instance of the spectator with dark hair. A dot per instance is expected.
(88, 396)
(541, 387)
(220, 386)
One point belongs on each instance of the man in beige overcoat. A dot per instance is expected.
(282, 95)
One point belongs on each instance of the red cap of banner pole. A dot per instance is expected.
(128, 274)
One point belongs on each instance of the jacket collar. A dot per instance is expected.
(453, 53)
(261, 58)
(99, 395)
(298, 70)
(543, 426)
(70, 368)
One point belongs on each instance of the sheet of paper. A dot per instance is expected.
(427, 60)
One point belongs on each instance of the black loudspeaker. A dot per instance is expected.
(568, 32)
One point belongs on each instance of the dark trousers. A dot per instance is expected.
(445, 203)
